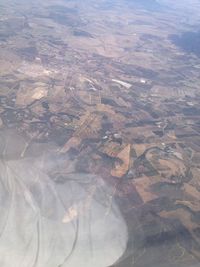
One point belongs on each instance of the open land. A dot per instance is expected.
(114, 86)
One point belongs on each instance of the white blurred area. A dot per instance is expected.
(48, 224)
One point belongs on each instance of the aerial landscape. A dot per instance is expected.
(100, 133)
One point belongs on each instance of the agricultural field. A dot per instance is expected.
(105, 94)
